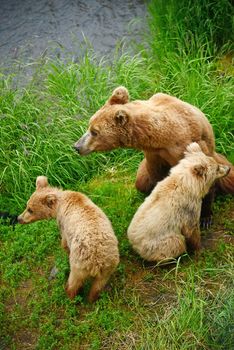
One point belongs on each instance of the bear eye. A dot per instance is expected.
(93, 132)
(30, 211)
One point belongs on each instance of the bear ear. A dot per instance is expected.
(41, 182)
(121, 118)
(50, 200)
(193, 147)
(199, 170)
(119, 96)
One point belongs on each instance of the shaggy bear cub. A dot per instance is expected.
(86, 233)
(168, 221)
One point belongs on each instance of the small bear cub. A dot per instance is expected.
(87, 234)
(167, 222)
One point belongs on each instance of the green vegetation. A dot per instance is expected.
(186, 305)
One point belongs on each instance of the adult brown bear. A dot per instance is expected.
(162, 127)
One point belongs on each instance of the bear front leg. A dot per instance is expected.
(151, 170)
(206, 210)
(144, 182)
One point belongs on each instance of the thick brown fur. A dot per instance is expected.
(167, 223)
(161, 127)
(225, 185)
(87, 234)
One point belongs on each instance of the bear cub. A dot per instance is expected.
(167, 223)
(86, 232)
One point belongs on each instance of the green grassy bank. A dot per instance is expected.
(186, 305)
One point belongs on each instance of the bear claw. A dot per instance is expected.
(206, 222)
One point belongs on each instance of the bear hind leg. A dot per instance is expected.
(98, 285)
(169, 247)
(75, 281)
(193, 239)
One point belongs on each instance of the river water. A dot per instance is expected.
(30, 28)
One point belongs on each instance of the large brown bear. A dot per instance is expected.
(162, 127)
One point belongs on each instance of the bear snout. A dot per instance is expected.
(81, 148)
(79, 145)
(76, 147)
(20, 220)
(223, 170)
(228, 168)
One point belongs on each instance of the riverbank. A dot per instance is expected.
(186, 305)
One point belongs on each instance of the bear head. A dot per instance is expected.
(200, 168)
(42, 203)
(108, 126)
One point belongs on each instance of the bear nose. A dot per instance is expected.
(20, 220)
(76, 148)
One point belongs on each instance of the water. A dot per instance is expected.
(36, 26)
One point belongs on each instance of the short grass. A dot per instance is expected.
(186, 305)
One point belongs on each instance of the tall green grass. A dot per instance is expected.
(41, 121)
(188, 44)
(189, 28)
